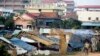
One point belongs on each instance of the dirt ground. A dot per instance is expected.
(80, 54)
(75, 54)
(83, 54)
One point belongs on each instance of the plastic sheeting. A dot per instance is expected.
(27, 40)
(16, 32)
(6, 40)
(22, 44)
(80, 31)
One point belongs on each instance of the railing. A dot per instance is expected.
(43, 7)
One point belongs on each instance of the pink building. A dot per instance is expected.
(24, 21)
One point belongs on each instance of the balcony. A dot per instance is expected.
(43, 7)
(11, 3)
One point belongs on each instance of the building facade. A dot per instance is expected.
(89, 15)
(24, 22)
(65, 6)
(16, 5)
(46, 7)
(70, 5)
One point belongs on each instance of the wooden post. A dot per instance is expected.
(14, 52)
(64, 40)
(63, 45)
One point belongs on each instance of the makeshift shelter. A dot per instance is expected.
(37, 38)
(5, 40)
(13, 47)
(22, 44)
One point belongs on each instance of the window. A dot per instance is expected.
(25, 1)
(41, 23)
(89, 18)
(8, 0)
(87, 9)
(70, 5)
(97, 18)
(48, 23)
(1, 0)
(29, 26)
(19, 26)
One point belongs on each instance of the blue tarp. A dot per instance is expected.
(16, 32)
(22, 44)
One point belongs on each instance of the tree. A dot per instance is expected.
(2, 20)
(9, 23)
(55, 24)
(71, 23)
(63, 24)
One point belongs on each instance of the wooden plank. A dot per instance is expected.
(34, 37)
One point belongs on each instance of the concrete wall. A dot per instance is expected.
(84, 15)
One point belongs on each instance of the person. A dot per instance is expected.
(94, 44)
(87, 45)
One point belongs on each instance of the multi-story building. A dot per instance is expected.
(16, 5)
(66, 7)
(70, 5)
(70, 13)
(45, 6)
(89, 15)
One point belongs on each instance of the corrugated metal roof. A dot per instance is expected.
(16, 32)
(91, 24)
(80, 31)
(27, 40)
(6, 40)
(89, 6)
(22, 44)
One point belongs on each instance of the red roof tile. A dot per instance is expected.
(32, 15)
(89, 6)
(43, 15)
(69, 1)
(49, 15)
(49, 1)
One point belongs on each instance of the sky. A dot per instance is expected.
(87, 2)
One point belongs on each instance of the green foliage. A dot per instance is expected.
(9, 23)
(55, 24)
(2, 20)
(22, 12)
(72, 24)
(66, 24)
